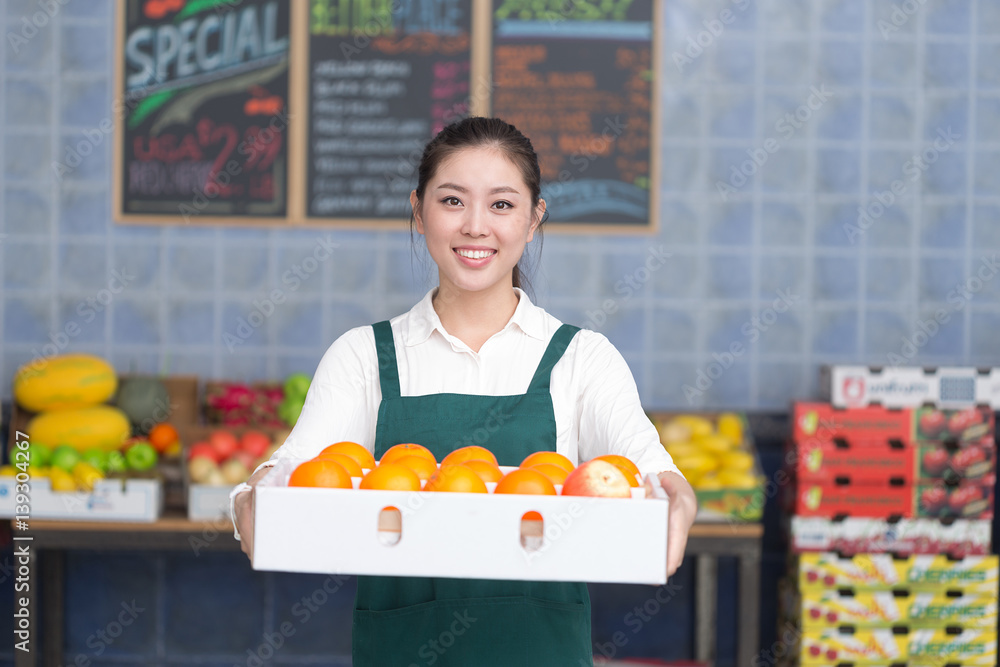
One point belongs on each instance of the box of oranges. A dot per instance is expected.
(717, 456)
(467, 517)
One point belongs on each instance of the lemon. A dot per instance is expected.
(736, 461)
(61, 480)
(697, 464)
(709, 482)
(699, 426)
(85, 475)
(683, 449)
(714, 444)
(35, 473)
(730, 426)
(8, 471)
(737, 479)
(673, 431)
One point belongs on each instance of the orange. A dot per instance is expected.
(406, 449)
(486, 470)
(456, 478)
(162, 436)
(350, 465)
(391, 477)
(525, 480)
(548, 457)
(555, 474)
(624, 464)
(421, 465)
(355, 451)
(470, 453)
(321, 472)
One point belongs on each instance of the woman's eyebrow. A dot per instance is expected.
(459, 188)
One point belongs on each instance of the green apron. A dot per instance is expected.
(410, 621)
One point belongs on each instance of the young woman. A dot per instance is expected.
(476, 352)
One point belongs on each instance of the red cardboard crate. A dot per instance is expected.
(823, 422)
(968, 425)
(970, 500)
(853, 535)
(879, 462)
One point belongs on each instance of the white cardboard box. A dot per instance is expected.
(111, 500)
(465, 535)
(206, 502)
(910, 386)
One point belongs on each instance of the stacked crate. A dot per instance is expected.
(890, 528)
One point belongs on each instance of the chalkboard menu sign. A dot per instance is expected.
(203, 111)
(577, 78)
(384, 78)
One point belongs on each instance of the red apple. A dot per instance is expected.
(933, 500)
(597, 478)
(248, 460)
(224, 443)
(935, 461)
(205, 450)
(255, 443)
(932, 422)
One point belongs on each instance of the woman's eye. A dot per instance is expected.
(451, 201)
(504, 205)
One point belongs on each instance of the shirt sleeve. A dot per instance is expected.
(612, 420)
(342, 400)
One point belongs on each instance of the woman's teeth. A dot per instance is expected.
(475, 254)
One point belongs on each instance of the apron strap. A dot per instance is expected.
(553, 353)
(388, 372)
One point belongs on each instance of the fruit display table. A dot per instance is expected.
(51, 539)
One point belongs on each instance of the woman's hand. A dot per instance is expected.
(243, 512)
(683, 508)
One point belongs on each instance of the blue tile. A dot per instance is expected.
(346, 316)
(674, 330)
(191, 267)
(893, 229)
(681, 277)
(88, 10)
(724, 170)
(892, 117)
(729, 276)
(982, 279)
(838, 171)
(625, 328)
(245, 364)
(84, 211)
(988, 19)
(667, 390)
(733, 61)
(986, 231)
(988, 55)
(245, 268)
(140, 262)
(731, 390)
(408, 273)
(301, 362)
(110, 604)
(261, 235)
(26, 157)
(946, 173)
(26, 320)
(245, 321)
(87, 104)
(786, 62)
(944, 328)
(838, 224)
(946, 65)
(946, 116)
(777, 383)
(299, 323)
(26, 264)
(27, 211)
(835, 331)
(781, 272)
(884, 168)
(680, 168)
(884, 332)
(180, 360)
(194, 629)
(85, 48)
(785, 18)
(840, 63)
(893, 64)
(843, 15)
(681, 115)
(835, 278)
(985, 344)
(777, 332)
(28, 102)
(28, 46)
(943, 225)
(987, 164)
(149, 233)
(90, 318)
(83, 266)
(787, 170)
(315, 607)
(939, 277)
(85, 158)
(136, 319)
(782, 224)
(136, 360)
(724, 326)
(731, 224)
(889, 279)
(190, 322)
(988, 119)
(952, 17)
(679, 222)
(571, 274)
(840, 118)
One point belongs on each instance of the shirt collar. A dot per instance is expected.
(422, 319)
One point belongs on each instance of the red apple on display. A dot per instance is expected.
(224, 443)
(932, 422)
(255, 442)
(935, 462)
(933, 500)
(204, 450)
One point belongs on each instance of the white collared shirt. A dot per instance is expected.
(594, 396)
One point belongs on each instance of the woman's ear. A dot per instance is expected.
(536, 219)
(415, 205)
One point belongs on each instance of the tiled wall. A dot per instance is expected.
(882, 84)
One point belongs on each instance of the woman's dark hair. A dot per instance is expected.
(478, 132)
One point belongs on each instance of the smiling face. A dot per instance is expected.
(476, 216)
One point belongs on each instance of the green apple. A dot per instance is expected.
(97, 458)
(39, 455)
(289, 409)
(116, 462)
(140, 456)
(296, 385)
(65, 457)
